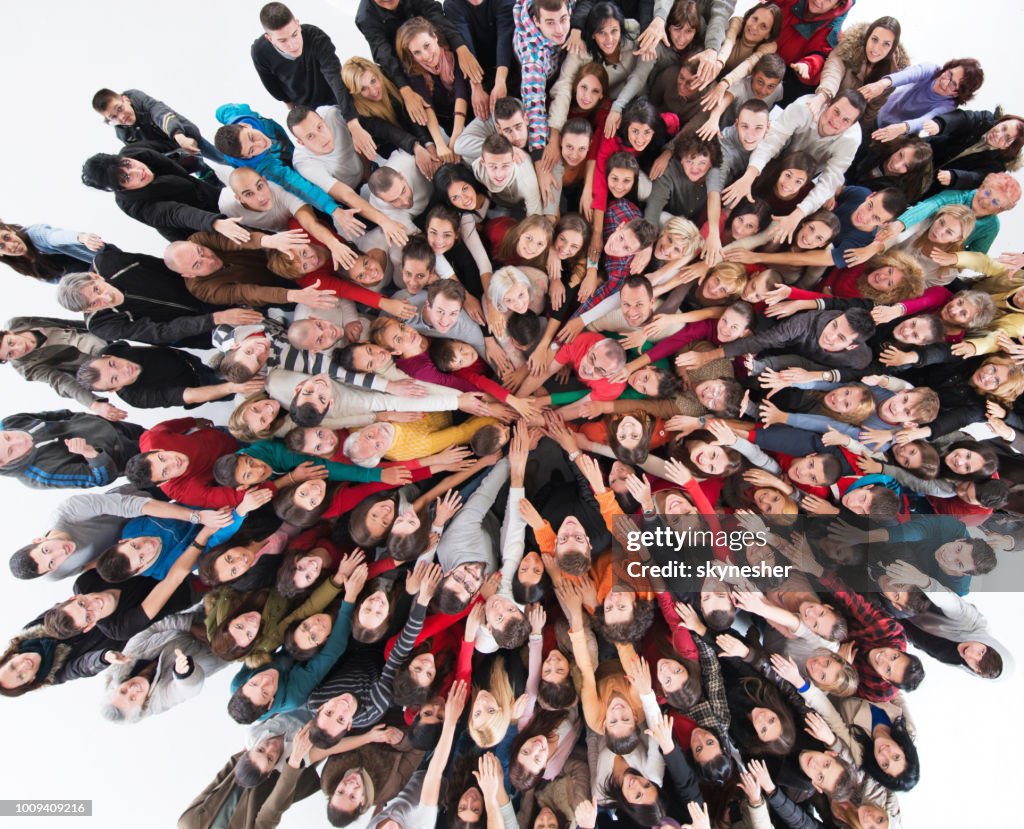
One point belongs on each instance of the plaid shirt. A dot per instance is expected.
(540, 60)
(870, 628)
(616, 268)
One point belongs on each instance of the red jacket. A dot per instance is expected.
(809, 40)
(202, 446)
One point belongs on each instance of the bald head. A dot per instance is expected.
(191, 259)
(251, 189)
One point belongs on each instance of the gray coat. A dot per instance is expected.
(67, 346)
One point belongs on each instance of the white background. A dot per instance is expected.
(195, 56)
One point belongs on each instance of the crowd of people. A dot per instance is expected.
(532, 276)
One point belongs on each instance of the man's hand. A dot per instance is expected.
(400, 308)
(660, 165)
(889, 133)
(426, 161)
(107, 411)
(395, 476)
(708, 68)
(858, 256)
(313, 297)
(473, 403)
(346, 223)
(548, 185)
(414, 105)
(406, 388)
(481, 101)
(289, 242)
(232, 230)
(248, 387)
(497, 357)
(361, 140)
(79, 446)
(498, 91)
(786, 226)
(237, 316)
(308, 471)
(189, 145)
(713, 97)
(647, 44)
(801, 71)
(739, 189)
(215, 518)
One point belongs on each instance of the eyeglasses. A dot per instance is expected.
(947, 78)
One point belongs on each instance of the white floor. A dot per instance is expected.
(194, 55)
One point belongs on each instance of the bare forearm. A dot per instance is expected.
(204, 394)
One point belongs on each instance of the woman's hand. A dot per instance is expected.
(700, 817)
(763, 478)
(430, 580)
(892, 357)
(787, 668)
(904, 573)
(570, 597)
(773, 381)
(963, 349)
(456, 702)
(750, 788)
(930, 128)
(771, 414)
(640, 488)
(873, 90)
(731, 646)
(91, 240)
(537, 617)
(354, 583)
(659, 166)
(690, 619)
(833, 437)
(887, 313)
(555, 428)
(395, 475)
(677, 473)
(490, 777)
(348, 563)
(818, 728)
(446, 506)
(588, 285)
(889, 133)
(868, 465)
(713, 97)
(875, 438)
(801, 71)
(592, 472)
(759, 769)
(724, 436)
(661, 730)
(529, 514)
(182, 662)
(611, 123)
(586, 810)
(638, 672)
(301, 746)
(254, 499)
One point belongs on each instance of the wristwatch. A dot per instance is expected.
(193, 517)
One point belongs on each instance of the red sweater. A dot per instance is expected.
(330, 281)
(809, 40)
(202, 446)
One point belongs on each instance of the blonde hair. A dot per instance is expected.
(733, 277)
(351, 71)
(912, 284)
(502, 281)
(240, 431)
(492, 731)
(857, 415)
(1010, 390)
(961, 213)
(846, 683)
(686, 232)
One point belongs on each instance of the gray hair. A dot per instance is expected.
(501, 281)
(348, 447)
(69, 292)
(614, 350)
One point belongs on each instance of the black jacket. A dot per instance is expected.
(164, 375)
(312, 80)
(174, 203)
(155, 123)
(959, 130)
(799, 334)
(157, 306)
(379, 27)
(49, 465)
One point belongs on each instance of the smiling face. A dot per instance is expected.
(681, 36)
(838, 118)
(732, 325)
(372, 441)
(955, 558)
(370, 87)
(879, 44)
(314, 335)
(441, 236)
(639, 135)
(990, 376)
(1003, 134)
(607, 36)
(133, 175)
(844, 399)
(837, 336)
(575, 147)
(763, 86)
(767, 724)
(889, 663)
(465, 580)
(243, 629)
(620, 182)
(517, 298)
(820, 618)
(15, 346)
(588, 93)
(426, 51)
(250, 471)
(313, 631)
(335, 716)
(192, 260)
(252, 142)
(709, 458)
(423, 669)
(696, 166)
(315, 392)
(462, 195)
(115, 373)
(672, 675)
(50, 553)
(751, 128)
(946, 230)
(166, 466)
(813, 236)
(568, 244)
(554, 25)
(531, 243)
(374, 610)
(947, 84)
(821, 768)
(370, 358)
(19, 669)
(499, 168)
(637, 304)
(530, 570)
(349, 796)
(770, 501)
(442, 313)
(11, 244)
(402, 340)
(120, 112)
(859, 500)
(320, 442)
(622, 242)
(87, 609)
(619, 719)
(572, 538)
(758, 27)
(790, 182)
(259, 415)
(287, 39)
(141, 552)
(131, 694)
(232, 563)
(704, 745)
(871, 214)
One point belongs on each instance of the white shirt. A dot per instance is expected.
(284, 206)
(342, 163)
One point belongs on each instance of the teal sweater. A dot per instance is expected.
(298, 679)
(282, 460)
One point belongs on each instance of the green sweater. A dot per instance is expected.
(282, 460)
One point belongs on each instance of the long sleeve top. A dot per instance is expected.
(273, 162)
(797, 129)
(55, 240)
(297, 680)
(281, 460)
(539, 59)
(202, 446)
(986, 228)
(487, 28)
(913, 101)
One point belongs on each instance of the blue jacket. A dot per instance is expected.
(274, 162)
(175, 537)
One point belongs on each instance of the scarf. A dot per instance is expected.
(808, 28)
(46, 648)
(446, 68)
